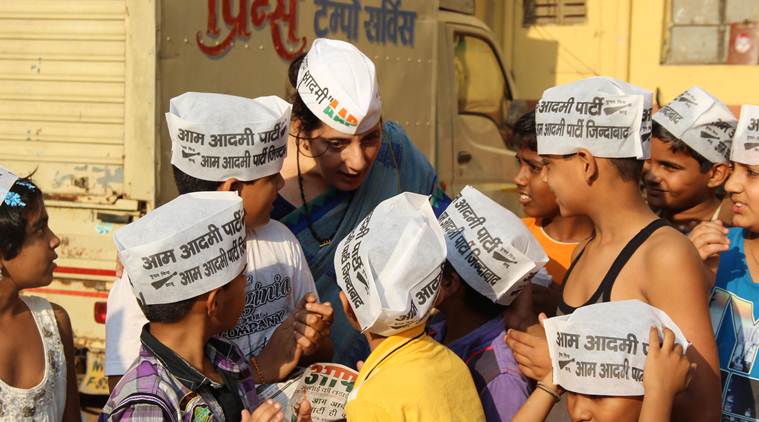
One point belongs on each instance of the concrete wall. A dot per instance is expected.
(621, 38)
(733, 84)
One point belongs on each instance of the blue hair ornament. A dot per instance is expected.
(26, 184)
(13, 200)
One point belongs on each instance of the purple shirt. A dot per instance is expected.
(162, 386)
(501, 386)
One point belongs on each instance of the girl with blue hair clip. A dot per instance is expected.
(37, 376)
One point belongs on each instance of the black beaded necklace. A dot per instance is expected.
(323, 242)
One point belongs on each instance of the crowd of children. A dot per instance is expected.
(625, 294)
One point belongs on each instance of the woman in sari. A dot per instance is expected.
(343, 160)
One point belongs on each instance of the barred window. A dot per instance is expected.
(554, 12)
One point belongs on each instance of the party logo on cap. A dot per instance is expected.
(337, 82)
(333, 110)
(184, 248)
(389, 266)
(746, 141)
(701, 121)
(601, 349)
(610, 118)
(489, 247)
(217, 137)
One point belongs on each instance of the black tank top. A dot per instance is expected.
(611, 276)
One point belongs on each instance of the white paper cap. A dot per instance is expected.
(338, 83)
(390, 265)
(489, 246)
(608, 117)
(217, 137)
(184, 248)
(7, 179)
(601, 349)
(746, 141)
(701, 121)
(646, 125)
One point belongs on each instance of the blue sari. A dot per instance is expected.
(399, 167)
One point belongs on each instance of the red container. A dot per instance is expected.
(744, 43)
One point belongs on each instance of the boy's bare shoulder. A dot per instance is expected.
(668, 252)
(668, 247)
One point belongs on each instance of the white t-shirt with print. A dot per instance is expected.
(277, 277)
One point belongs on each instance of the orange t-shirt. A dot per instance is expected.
(559, 253)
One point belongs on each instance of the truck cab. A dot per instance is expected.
(476, 111)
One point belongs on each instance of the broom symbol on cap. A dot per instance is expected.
(163, 282)
(503, 258)
(709, 136)
(361, 278)
(564, 363)
(683, 99)
(614, 109)
(186, 154)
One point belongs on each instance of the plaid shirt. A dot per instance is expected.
(162, 386)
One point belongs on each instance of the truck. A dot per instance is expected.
(85, 84)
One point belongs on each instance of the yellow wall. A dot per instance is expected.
(733, 84)
(621, 38)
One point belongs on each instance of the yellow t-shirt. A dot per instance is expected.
(410, 377)
(559, 253)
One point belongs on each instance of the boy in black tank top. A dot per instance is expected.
(593, 136)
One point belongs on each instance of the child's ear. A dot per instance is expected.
(228, 185)
(718, 174)
(589, 165)
(349, 311)
(453, 282)
(450, 284)
(212, 302)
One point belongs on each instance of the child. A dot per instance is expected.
(211, 150)
(557, 234)
(185, 262)
(389, 270)
(688, 164)
(735, 298)
(476, 291)
(597, 387)
(37, 378)
(592, 137)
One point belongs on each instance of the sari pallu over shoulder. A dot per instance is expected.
(399, 167)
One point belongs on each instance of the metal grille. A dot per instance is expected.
(554, 12)
(698, 30)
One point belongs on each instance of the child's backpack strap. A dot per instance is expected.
(144, 398)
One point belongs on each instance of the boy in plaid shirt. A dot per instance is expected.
(185, 261)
